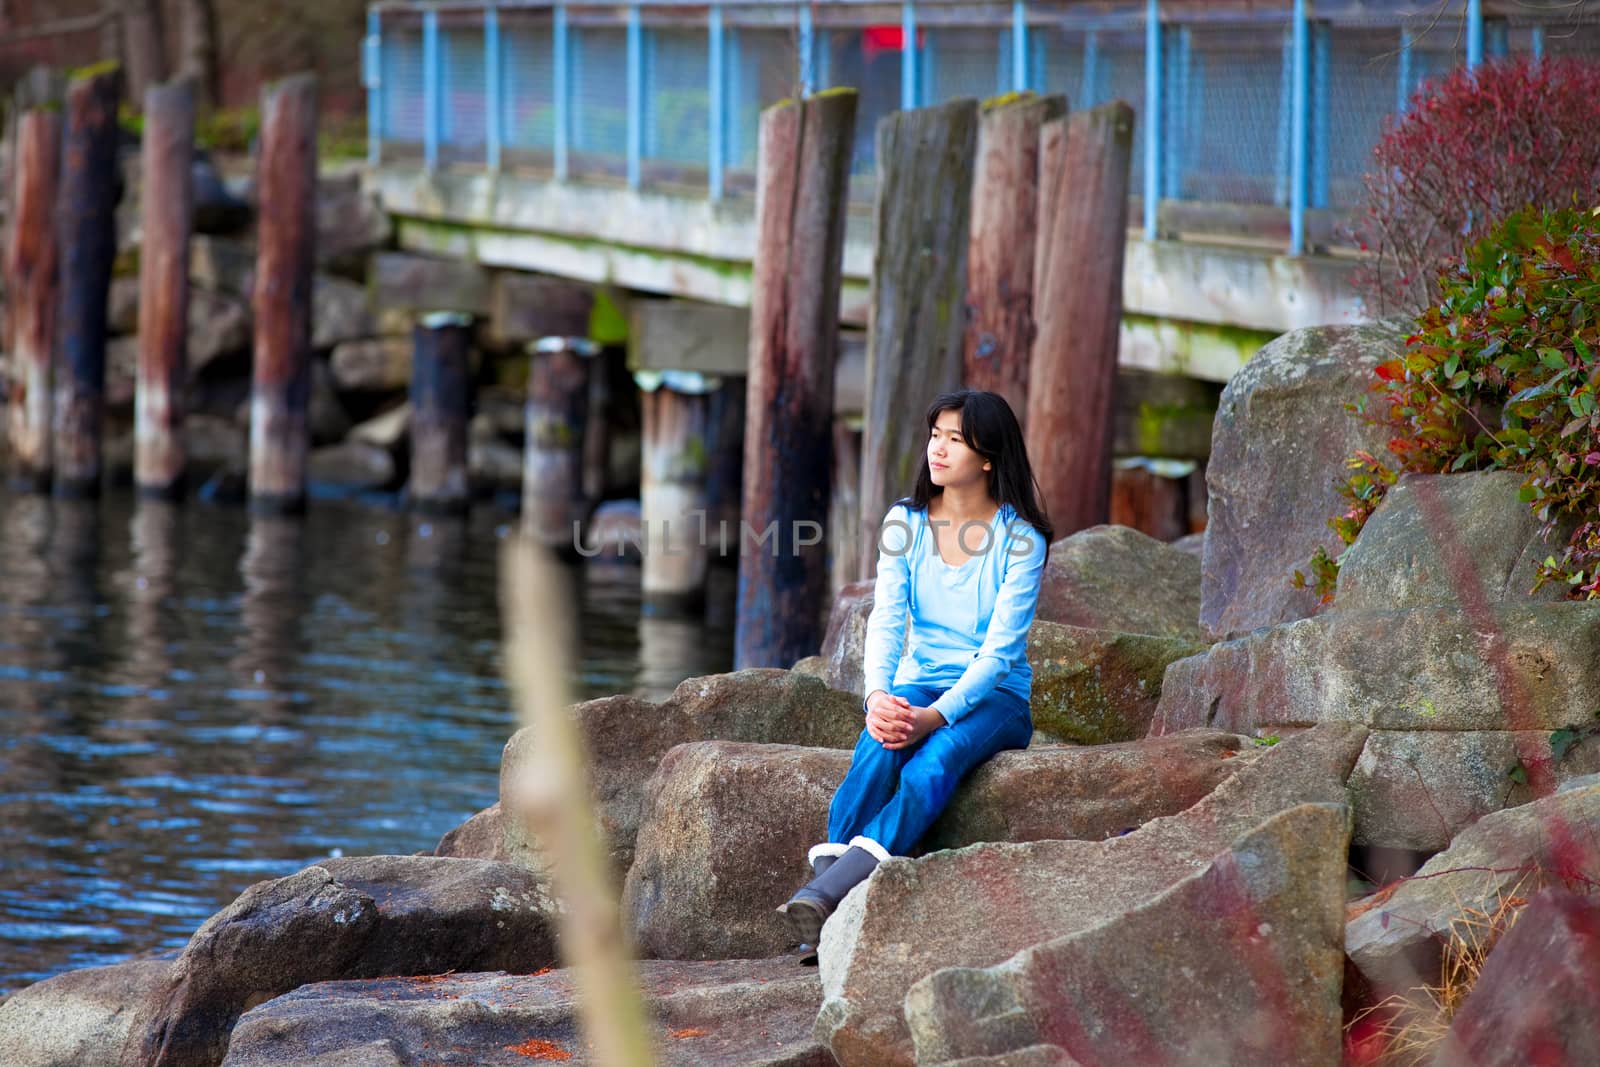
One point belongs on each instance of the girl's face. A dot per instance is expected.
(953, 463)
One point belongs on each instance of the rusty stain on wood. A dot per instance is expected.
(1074, 368)
(168, 200)
(801, 202)
(1000, 255)
(32, 261)
(280, 433)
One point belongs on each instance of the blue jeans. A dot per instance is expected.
(892, 796)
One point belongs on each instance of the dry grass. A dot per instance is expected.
(1410, 1026)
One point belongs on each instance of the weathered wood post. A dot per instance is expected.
(802, 193)
(1074, 367)
(1052, 157)
(1000, 254)
(675, 408)
(725, 430)
(280, 431)
(168, 204)
(597, 425)
(919, 281)
(441, 351)
(32, 261)
(87, 239)
(556, 423)
(844, 509)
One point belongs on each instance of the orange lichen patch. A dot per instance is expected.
(536, 1048)
(1367, 903)
(1229, 753)
(424, 979)
(541, 971)
(688, 1031)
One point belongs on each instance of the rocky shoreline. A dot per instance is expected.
(1171, 874)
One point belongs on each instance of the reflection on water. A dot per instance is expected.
(192, 700)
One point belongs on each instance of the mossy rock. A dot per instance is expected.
(1098, 687)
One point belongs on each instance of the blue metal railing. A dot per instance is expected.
(1249, 106)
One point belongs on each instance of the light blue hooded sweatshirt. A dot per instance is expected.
(969, 624)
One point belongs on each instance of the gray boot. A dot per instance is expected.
(810, 907)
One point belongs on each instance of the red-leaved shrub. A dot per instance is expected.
(1470, 150)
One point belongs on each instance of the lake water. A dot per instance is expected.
(192, 700)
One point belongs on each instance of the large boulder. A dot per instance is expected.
(734, 1013)
(1116, 578)
(373, 364)
(222, 265)
(1456, 540)
(1503, 667)
(1538, 996)
(77, 1019)
(1417, 789)
(352, 466)
(482, 837)
(977, 906)
(345, 918)
(626, 738)
(1095, 687)
(1241, 963)
(844, 644)
(350, 223)
(339, 312)
(726, 825)
(1395, 939)
(1278, 447)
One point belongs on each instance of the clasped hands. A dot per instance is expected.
(895, 723)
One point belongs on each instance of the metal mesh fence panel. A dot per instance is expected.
(527, 66)
(599, 131)
(1227, 134)
(964, 61)
(677, 97)
(1360, 75)
(866, 62)
(401, 104)
(1092, 67)
(763, 67)
(464, 111)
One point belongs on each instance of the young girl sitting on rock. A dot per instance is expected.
(962, 558)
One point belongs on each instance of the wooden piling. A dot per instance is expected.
(280, 432)
(725, 430)
(1000, 254)
(844, 510)
(555, 440)
(1151, 496)
(87, 239)
(919, 282)
(1074, 368)
(168, 204)
(1052, 156)
(675, 408)
(802, 193)
(441, 353)
(31, 300)
(597, 424)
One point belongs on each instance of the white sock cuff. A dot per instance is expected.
(881, 853)
(826, 849)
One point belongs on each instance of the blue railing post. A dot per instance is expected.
(718, 104)
(1088, 92)
(432, 91)
(1321, 100)
(808, 84)
(372, 71)
(561, 46)
(1402, 89)
(1178, 101)
(1537, 44)
(635, 78)
(1299, 128)
(908, 56)
(1474, 33)
(491, 72)
(1152, 116)
(1019, 47)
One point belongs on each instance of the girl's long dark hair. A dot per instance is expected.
(990, 428)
